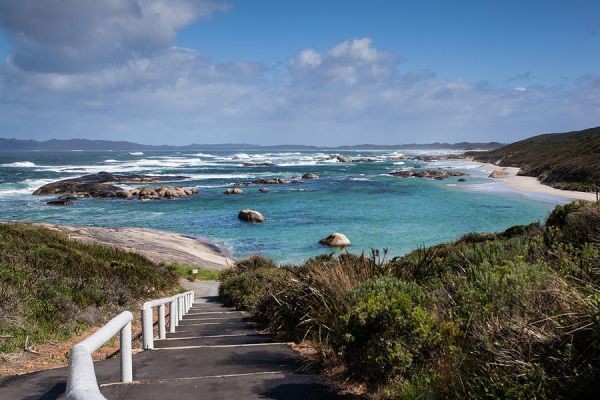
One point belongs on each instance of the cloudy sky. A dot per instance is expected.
(273, 72)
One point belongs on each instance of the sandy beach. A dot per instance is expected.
(158, 246)
(530, 184)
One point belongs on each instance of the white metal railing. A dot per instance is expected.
(179, 305)
(81, 382)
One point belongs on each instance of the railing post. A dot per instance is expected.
(162, 332)
(179, 309)
(147, 329)
(126, 358)
(172, 316)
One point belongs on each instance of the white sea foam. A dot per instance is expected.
(136, 153)
(19, 164)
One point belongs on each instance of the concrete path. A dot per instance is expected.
(215, 354)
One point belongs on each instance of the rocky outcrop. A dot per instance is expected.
(101, 184)
(437, 174)
(310, 175)
(343, 159)
(251, 216)
(263, 190)
(336, 239)
(233, 191)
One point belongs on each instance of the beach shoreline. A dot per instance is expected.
(530, 184)
(156, 245)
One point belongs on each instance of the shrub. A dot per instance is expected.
(386, 331)
(245, 283)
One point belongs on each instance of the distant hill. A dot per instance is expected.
(569, 160)
(97, 145)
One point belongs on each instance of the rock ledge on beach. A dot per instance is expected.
(336, 239)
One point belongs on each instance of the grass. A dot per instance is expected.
(562, 160)
(509, 315)
(52, 288)
(187, 271)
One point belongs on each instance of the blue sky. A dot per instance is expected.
(309, 72)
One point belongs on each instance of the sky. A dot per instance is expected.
(298, 72)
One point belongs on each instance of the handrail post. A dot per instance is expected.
(147, 329)
(126, 357)
(172, 316)
(180, 311)
(162, 332)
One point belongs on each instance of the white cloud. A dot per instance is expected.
(115, 72)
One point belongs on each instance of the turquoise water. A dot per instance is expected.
(373, 209)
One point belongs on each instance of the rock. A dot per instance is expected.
(310, 175)
(336, 239)
(123, 194)
(70, 198)
(99, 185)
(437, 174)
(343, 159)
(234, 191)
(462, 180)
(263, 190)
(496, 174)
(259, 164)
(364, 159)
(64, 202)
(251, 216)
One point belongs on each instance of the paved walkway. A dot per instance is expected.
(215, 354)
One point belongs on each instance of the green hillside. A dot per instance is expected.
(568, 160)
(52, 287)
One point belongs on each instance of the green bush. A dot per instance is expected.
(387, 331)
(245, 283)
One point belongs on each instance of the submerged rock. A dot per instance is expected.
(336, 239)
(462, 180)
(59, 202)
(263, 190)
(258, 164)
(251, 216)
(310, 175)
(343, 159)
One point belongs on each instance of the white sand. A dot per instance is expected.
(529, 184)
(158, 246)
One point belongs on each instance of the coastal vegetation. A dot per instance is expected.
(508, 315)
(52, 288)
(562, 160)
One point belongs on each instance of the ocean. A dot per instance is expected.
(375, 210)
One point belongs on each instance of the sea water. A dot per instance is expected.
(375, 210)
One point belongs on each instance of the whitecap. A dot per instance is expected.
(136, 153)
(19, 164)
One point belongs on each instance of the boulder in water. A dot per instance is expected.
(263, 190)
(251, 216)
(310, 175)
(336, 239)
(343, 159)
(233, 191)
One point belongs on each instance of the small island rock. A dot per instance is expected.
(310, 175)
